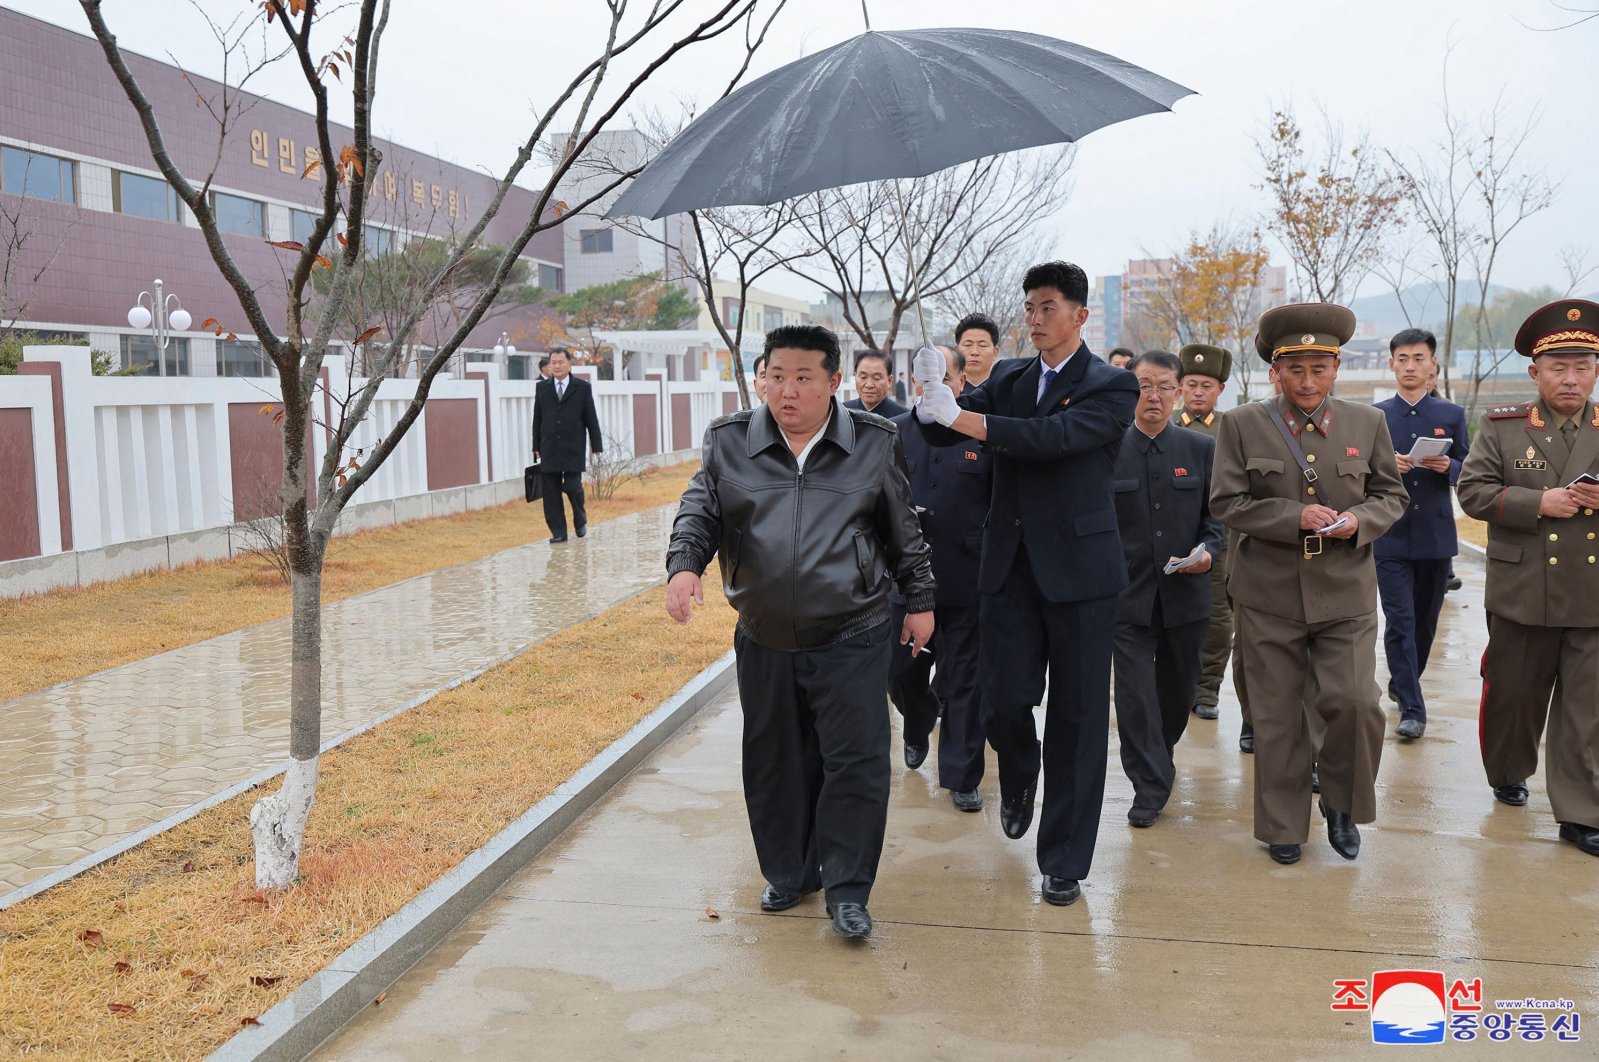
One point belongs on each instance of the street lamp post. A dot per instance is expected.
(163, 315)
(506, 350)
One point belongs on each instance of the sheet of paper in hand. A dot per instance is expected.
(1177, 564)
(1587, 478)
(1335, 525)
(1425, 448)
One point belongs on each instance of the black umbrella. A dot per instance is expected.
(886, 105)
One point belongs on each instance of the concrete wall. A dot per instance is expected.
(104, 476)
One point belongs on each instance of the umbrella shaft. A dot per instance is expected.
(910, 254)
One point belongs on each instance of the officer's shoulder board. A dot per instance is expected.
(1507, 412)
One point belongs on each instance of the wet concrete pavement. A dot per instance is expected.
(1188, 941)
(88, 762)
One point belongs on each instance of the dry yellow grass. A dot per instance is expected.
(175, 929)
(1473, 530)
(66, 634)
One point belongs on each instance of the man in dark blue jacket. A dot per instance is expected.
(1413, 559)
(1052, 564)
(951, 486)
(1163, 512)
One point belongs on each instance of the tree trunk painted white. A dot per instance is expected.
(278, 825)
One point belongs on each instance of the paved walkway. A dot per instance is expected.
(1188, 942)
(89, 762)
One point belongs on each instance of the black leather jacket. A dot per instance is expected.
(807, 556)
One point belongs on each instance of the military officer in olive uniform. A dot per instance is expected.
(1205, 372)
(1522, 477)
(1310, 481)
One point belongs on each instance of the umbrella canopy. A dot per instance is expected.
(883, 105)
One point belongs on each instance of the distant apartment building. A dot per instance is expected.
(1103, 332)
(101, 224)
(760, 311)
(599, 250)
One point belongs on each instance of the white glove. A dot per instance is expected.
(928, 367)
(937, 404)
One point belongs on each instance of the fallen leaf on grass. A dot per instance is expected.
(248, 1021)
(121, 1008)
(256, 899)
(265, 982)
(710, 913)
(92, 937)
(188, 868)
(122, 967)
(197, 981)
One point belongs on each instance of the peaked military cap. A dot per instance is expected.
(1202, 359)
(1570, 326)
(1303, 328)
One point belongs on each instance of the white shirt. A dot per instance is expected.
(805, 451)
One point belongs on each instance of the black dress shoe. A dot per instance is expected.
(1246, 739)
(776, 899)
(1315, 778)
(1514, 794)
(1342, 833)
(1411, 728)
(970, 800)
(1286, 854)
(850, 920)
(1062, 892)
(914, 755)
(554, 539)
(582, 530)
(1143, 818)
(1016, 815)
(1207, 711)
(1584, 837)
(1453, 584)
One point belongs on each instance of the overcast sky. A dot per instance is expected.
(462, 78)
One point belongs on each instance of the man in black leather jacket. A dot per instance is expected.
(809, 506)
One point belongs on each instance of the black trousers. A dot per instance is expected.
(1157, 669)
(954, 680)
(555, 485)
(1412, 593)
(1023, 635)
(816, 766)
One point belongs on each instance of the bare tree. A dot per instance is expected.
(25, 257)
(1508, 190)
(896, 246)
(1331, 207)
(995, 288)
(298, 349)
(1574, 260)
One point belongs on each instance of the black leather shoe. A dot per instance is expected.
(1207, 711)
(1411, 728)
(1016, 815)
(1342, 833)
(1584, 837)
(582, 531)
(554, 539)
(1315, 778)
(1246, 739)
(850, 920)
(1453, 584)
(1062, 892)
(1514, 794)
(1286, 854)
(775, 899)
(971, 800)
(914, 755)
(1143, 818)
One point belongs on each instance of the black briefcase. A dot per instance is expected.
(532, 483)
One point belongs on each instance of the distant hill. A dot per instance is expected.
(1425, 303)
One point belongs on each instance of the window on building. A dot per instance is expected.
(238, 214)
(240, 357)
(550, 278)
(145, 197)
(595, 241)
(301, 222)
(516, 367)
(39, 176)
(731, 310)
(140, 351)
(479, 355)
(773, 319)
(376, 242)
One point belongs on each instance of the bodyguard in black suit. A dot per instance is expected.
(1052, 564)
(873, 382)
(1163, 511)
(951, 485)
(563, 413)
(1414, 557)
